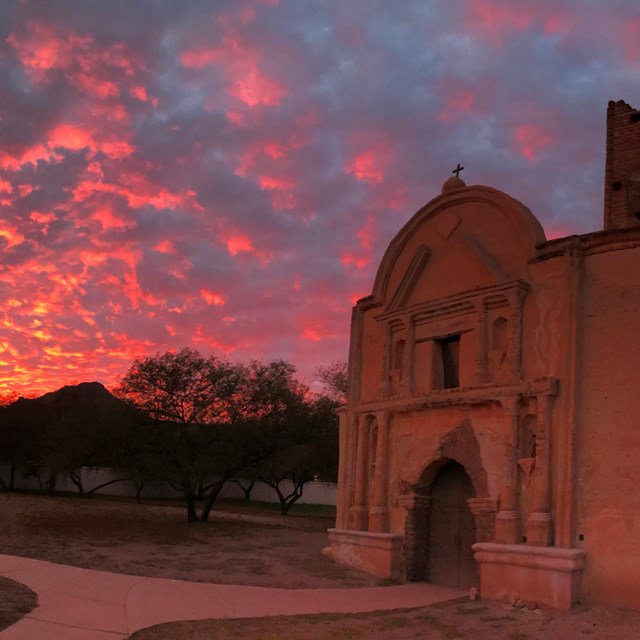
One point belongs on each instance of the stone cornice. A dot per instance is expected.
(462, 396)
(461, 303)
(597, 242)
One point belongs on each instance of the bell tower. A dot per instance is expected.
(622, 167)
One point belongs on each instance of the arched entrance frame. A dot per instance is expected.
(460, 446)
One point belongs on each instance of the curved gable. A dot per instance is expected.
(464, 239)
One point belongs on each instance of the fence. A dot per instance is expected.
(314, 492)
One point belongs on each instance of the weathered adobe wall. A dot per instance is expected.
(544, 319)
(550, 349)
(471, 244)
(480, 241)
(418, 437)
(373, 354)
(609, 432)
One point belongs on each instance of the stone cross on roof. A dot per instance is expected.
(457, 170)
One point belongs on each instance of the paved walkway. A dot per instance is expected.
(83, 604)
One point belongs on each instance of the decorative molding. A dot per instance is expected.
(461, 396)
(523, 222)
(461, 303)
(413, 500)
(482, 505)
(411, 276)
(597, 242)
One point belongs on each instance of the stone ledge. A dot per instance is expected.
(380, 554)
(367, 538)
(545, 575)
(522, 555)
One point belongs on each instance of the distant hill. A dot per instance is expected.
(85, 405)
(76, 426)
(85, 393)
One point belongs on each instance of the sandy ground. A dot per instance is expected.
(267, 550)
(450, 621)
(149, 540)
(16, 600)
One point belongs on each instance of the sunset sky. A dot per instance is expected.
(227, 175)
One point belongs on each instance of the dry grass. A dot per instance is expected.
(16, 600)
(450, 621)
(155, 540)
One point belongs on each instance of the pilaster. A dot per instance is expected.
(484, 515)
(379, 511)
(359, 512)
(539, 523)
(508, 518)
(481, 345)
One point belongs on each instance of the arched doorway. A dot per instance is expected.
(451, 529)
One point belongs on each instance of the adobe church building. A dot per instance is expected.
(491, 435)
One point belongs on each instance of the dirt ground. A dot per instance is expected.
(151, 540)
(262, 550)
(16, 600)
(449, 621)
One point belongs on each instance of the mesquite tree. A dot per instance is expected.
(212, 409)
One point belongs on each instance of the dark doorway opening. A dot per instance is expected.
(451, 529)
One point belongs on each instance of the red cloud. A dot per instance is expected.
(11, 236)
(366, 166)
(493, 20)
(255, 89)
(531, 139)
(631, 39)
(165, 246)
(311, 334)
(456, 104)
(239, 242)
(71, 137)
(85, 65)
(29, 156)
(211, 297)
(362, 257)
(108, 219)
(138, 191)
(349, 259)
(240, 64)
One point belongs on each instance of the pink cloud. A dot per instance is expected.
(456, 104)
(494, 19)
(631, 40)
(239, 242)
(531, 139)
(240, 64)
(72, 137)
(366, 166)
(212, 298)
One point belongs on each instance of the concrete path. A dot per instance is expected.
(83, 604)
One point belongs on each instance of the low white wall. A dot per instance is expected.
(314, 492)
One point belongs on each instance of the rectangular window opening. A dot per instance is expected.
(450, 352)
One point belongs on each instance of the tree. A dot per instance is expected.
(307, 449)
(209, 409)
(259, 409)
(334, 379)
(247, 482)
(182, 387)
(61, 432)
(18, 442)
